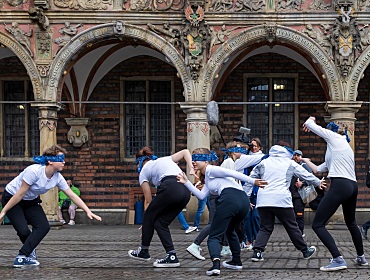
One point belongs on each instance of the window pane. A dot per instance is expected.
(283, 114)
(258, 114)
(14, 119)
(135, 124)
(160, 117)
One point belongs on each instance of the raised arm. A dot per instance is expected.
(184, 154)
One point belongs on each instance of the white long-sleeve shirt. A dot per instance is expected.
(278, 170)
(217, 179)
(339, 156)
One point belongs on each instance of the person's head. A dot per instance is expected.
(143, 156)
(201, 157)
(287, 146)
(297, 157)
(339, 128)
(53, 156)
(69, 182)
(234, 150)
(256, 145)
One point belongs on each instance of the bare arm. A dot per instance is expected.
(15, 199)
(184, 154)
(147, 194)
(310, 164)
(79, 202)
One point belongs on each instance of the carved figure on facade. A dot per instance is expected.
(16, 3)
(346, 41)
(319, 5)
(21, 36)
(363, 5)
(84, 4)
(249, 5)
(37, 15)
(173, 34)
(119, 28)
(67, 32)
(270, 32)
(221, 6)
(321, 37)
(194, 39)
(290, 4)
(365, 36)
(219, 37)
(43, 43)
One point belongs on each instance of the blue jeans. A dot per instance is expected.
(201, 205)
(182, 220)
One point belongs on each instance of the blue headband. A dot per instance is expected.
(334, 127)
(140, 161)
(290, 150)
(204, 157)
(44, 159)
(234, 150)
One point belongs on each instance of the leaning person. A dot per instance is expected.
(22, 204)
(231, 207)
(170, 199)
(340, 165)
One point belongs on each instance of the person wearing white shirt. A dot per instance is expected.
(340, 165)
(171, 197)
(22, 204)
(231, 208)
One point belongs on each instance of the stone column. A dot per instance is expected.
(343, 112)
(47, 125)
(198, 131)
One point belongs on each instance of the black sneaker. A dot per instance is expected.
(169, 261)
(257, 256)
(139, 254)
(215, 269)
(308, 253)
(232, 264)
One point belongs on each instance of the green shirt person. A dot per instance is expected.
(66, 203)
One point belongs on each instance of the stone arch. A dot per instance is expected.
(282, 34)
(356, 74)
(27, 61)
(103, 31)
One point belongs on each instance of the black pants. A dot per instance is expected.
(287, 217)
(170, 199)
(341, 192)
(231, 208)
(299, 212)
(24, 213)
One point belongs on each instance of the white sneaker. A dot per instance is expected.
(62, 221)
(71, 223)
(225, 252)
(190, 229)
(194, 250)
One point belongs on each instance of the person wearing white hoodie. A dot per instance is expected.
(340, 165)
(275, 199)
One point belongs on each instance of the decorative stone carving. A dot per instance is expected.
(219, 37)
(67, 32)
(43, 69)
(323, 38)
(21, 36)
(43, 44)
(221, 6)
(37, 15)
(270, 32)
(78, 134)
(16, 3)
(194, 38)
(290, 4)
(249, 5)
(346, 40)
(119, 28)
(173, 34)
(319, 5)
(84, 4)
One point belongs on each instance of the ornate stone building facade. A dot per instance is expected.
(104, 78)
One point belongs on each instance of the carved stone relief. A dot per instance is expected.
(21, 36)
(43, 44)
(84, 4)
(290, 4)
(16, 3)
(320, 35)
(172, 34)
(249, 6)
(319, 5)
(43, 69)
(67, 32)
(220, 36)
(37, 15)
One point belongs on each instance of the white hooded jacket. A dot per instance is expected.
(278, 170)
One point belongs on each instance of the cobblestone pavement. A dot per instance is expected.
(100, 252)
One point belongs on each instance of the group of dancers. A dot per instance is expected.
(229, 199)
(272, 175)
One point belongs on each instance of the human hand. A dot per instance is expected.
(1, 217)
(260, 183)
(251, 205)
(322, 184)
(181, 177)
(305, 128)
(192, 172)
(298, 184)
(91, 216)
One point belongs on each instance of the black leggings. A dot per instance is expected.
(24, 213)
(342, 192)
(170, 199)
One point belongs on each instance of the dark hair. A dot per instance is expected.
(284, 143)
(145, 151)
(258, 141)
(54, 150)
